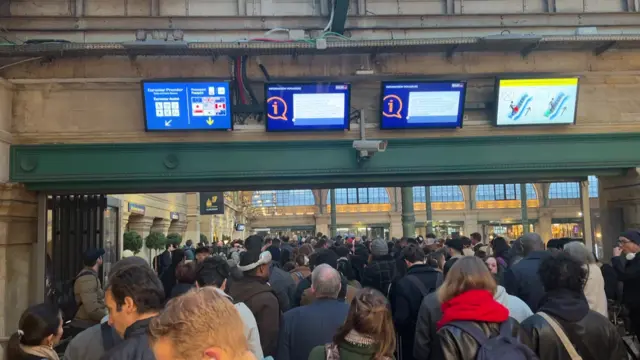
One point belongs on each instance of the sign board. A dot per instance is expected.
(536, 101)
(413, 105)
(211, 203)
(307, 106)
(186, 105)
(175, 216)
(136, 209)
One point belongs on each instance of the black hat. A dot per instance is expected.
(92, 255)
(632, 235)
(456, 244)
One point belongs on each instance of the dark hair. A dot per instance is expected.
(284, 238)
(186, 273)
(288, 266)
(321, 243)
(275, 242)
(300, 261)
(412, 241)
(413, 253)
(37, 323)
(202, 250)
(500, 247)
(253, 242)
(212, 271)
(177, 257)
(431, 236)
(324, 256)
(141, 284)
(168, 245)
(342, 251)
(465, 241)
(189, 242)
(561, 271)
(476, 236)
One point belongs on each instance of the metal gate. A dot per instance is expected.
(77, 224)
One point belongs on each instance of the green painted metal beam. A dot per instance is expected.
(166, 167)
(408, 215)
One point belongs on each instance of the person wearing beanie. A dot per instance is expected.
(626, 263)
(382, 269)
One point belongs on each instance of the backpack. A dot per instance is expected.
(67, 300)
(503, 346)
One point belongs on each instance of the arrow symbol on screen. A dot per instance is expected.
(167, 122)
(209, 121)
(563, 110)
(528, 109)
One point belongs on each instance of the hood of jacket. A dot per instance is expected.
(248, 287)
(421, 269)
(501, 295)
(566, 305)
(138, 328)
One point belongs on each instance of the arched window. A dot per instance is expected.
(503, 192)
(360, 196)
(449, 193)
(267, 198)
(571, 190)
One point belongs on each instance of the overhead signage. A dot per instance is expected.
(407, 105)
(536, 101)
(175, 216)
(211, 203)
(189, 105)
(137, 209)
(307, 106)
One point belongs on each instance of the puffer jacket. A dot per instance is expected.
(456, 344)
(592, 335)
(89, 295)
(135, 345)
(261, 299)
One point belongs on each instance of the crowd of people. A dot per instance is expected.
(345, 298)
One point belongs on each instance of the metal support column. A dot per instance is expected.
(523, 205)
(429, 211)
(585, 206)
(408, 215)
(40, 251)
(334, 226)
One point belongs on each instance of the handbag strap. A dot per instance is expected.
(573, 354)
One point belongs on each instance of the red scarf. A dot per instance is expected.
(473, 305)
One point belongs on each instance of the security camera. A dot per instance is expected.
(366, 148)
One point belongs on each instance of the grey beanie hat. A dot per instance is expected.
(379, 247)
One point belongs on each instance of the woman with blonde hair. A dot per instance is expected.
(202, 324)
(367, 334)
(471, 315)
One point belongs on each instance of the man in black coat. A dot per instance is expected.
(522, 279)
(407, 294)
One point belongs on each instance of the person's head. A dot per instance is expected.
(306, 249)
(476, 238)
(322, 243)
(413, 255)
(369, 315)
(455, 247)
(200, 325)
(342, 251)
(275, 243)
(324, 256)
(379, 247)
(629, 241)
(492, 264)
(93, 258)
(468, 273)
(325, 282)
(202, 253)
(186, 273)
(466, 242)
(578, 251)
(285, 239)
(177, 256)
(134, 293)
(255, 243)
(531, 242)
(302, 260)
(560, 271)
(189, 243)
(500, 246)
(213, 271)
(40, 324)
(255, 263)
(170, 246)
(437, 258)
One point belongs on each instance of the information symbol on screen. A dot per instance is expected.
(274, 105)
(390, 111)
(277, 108)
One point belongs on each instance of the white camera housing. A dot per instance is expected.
(366, 148)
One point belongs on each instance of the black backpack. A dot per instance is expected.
(503, 346)
(67, 299)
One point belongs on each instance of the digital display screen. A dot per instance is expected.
(188, 105)
(407, 105)
(307, 107)
(536, 101)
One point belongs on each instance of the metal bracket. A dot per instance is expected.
(450, 52)
(529, 49)
(603, 48)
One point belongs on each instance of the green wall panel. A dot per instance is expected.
(135, 167)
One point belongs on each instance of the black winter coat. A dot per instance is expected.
(456, 344)
(522, 279)
(405, 298)
(380, 273)
(592, 335)
(629, 273)
(135, 345)
(426, 327)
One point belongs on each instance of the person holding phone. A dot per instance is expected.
(627, 265)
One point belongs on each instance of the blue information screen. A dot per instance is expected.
(411, 105)
(309, 106)
(191, 105)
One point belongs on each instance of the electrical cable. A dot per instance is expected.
(245, 81)
(264, 72)
(243, 98)
(20, 62)
(333, 12)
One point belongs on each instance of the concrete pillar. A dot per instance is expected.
(334, 224)
(428, 210)
(322, 224)
(585, 205)
(471, 223)
(180, 227)
(619, 207)
(193, 217)
(142, 225)
(161, 225)
(408, 215)
(543, 227)
(524, 209)
(395, 225)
